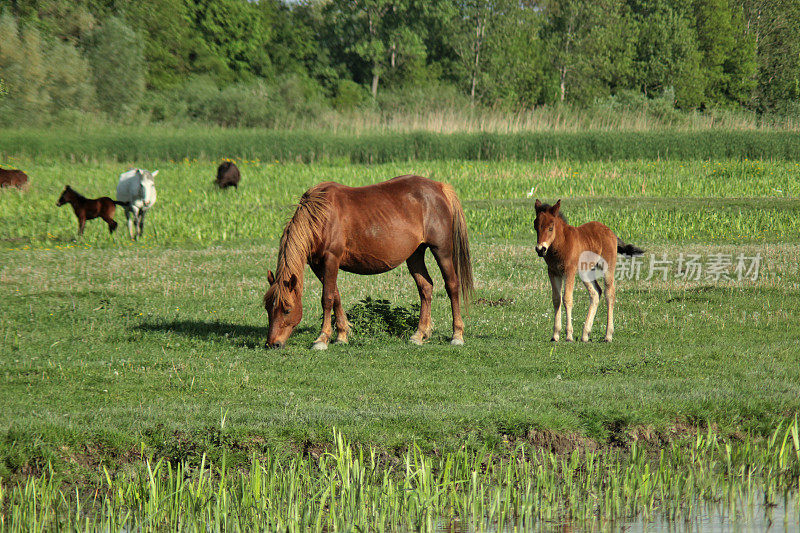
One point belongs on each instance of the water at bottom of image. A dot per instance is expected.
(701, 483)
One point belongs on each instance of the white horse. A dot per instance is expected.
(136, 192)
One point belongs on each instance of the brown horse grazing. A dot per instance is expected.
(87, 209)
(11, 177)
(589, 250)
(369, 230)
(228, 175)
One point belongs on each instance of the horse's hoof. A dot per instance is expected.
(585, 339)
(457, 342)
(415, 340)
(341, 341)
(319, 346)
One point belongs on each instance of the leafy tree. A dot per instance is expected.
(381, 37)
(168, 39)
(68, 79)
(728, 53)
(234, 39)
(24, 71)
(515, 69)
(773, 26)
(117, 60)
(590, 46)
(666, 55)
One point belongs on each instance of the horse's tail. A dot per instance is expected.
(461, 257)
(628, 249)
(123, 204)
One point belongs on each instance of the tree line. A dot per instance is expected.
(249, 62)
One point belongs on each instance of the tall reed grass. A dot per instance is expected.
(141, 144)
(351, 487)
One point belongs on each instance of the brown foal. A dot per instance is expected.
(589, 250)
(369, 230)
(88, 208)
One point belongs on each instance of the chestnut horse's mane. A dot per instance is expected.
(303, 230)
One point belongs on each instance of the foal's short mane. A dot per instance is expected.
(546, 207)
(73, 191)
(303, 230)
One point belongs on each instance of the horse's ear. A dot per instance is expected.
(292, 283)
(270, 277)
(555, 208)
(154, 173)
(538, 205)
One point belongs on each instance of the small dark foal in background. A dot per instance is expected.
(88, 208)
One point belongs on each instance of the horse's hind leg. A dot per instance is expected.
(594, 296)
(112, 224)
(611, 296)
(418, 270)
(451, 284)
(81, 224)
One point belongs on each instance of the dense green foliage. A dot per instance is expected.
(237, 62)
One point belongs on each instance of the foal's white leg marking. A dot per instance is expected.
(595, 302)
(319, 345)
(569, 288)
(555, 283)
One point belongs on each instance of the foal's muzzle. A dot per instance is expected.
(541, 250)
(276, 345)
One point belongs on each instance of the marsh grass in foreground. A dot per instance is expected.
(354, 488)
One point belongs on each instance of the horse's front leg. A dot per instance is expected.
(342, 325)
(329, 270)
(556, 282)
(418, 270)
(129, 217)
(140, 225)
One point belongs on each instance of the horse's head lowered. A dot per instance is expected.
(546, 225)
(284, 305)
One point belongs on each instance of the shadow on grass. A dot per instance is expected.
(236, 334)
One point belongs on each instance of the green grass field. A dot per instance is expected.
(108, 344)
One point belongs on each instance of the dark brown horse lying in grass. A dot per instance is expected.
(369, 230)
(11, 177)
(589, 250)
(87, 208)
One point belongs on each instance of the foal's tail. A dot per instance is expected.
(461, 258)
(628, 249)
